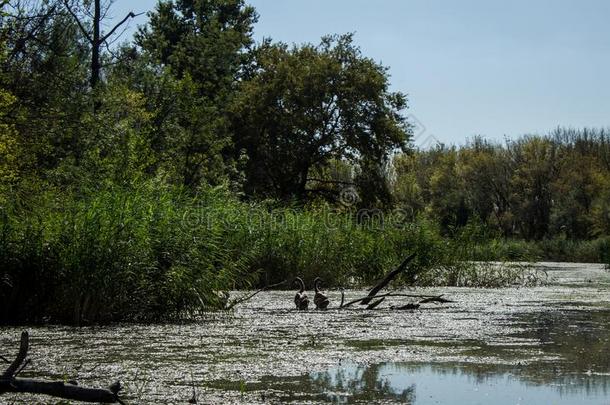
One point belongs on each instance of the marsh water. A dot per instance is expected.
(548, 344)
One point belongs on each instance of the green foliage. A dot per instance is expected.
(202, 44)
(304, 106)
(10, 153)
(535, 188)
(45, 69)
(205, 39)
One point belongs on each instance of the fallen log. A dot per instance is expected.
(59, 389)
(10, 382)
(388, 278)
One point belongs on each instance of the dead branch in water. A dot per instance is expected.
(406, 306)
(438, 299)
(425, 298)
(247, 297)
(379, 298)
(10, 382)
(389, 277)
(374, 304)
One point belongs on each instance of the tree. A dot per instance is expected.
(96, 12)
(10, 156)
(486, 172)
(301, 107)
(579, 186)
(447, 190)
(44, 70)
(535, 169)
(406, 190)
(206, 39)
(200, 47)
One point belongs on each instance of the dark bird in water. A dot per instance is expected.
(300, 299)
(319, 299)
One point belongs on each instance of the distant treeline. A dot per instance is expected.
(535, 187)
(139, 179)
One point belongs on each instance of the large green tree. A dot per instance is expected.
(303, 106)
(201, 47)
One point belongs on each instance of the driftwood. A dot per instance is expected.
(10, 382)
(374, 304)
(389, 277)
(377, 298)
(425, 298)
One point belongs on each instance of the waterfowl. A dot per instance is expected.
(319, 299)
(300, 299)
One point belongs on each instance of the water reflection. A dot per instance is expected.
(581, 338)
(362, 384)
(449, 384)
(572, 366)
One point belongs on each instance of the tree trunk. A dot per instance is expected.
(95, 46)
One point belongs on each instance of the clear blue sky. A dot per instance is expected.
(469, 67)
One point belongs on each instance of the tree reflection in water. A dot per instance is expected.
(361, 383)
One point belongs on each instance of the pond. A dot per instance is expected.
(547, 344)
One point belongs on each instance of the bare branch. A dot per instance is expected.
(374, 304)
(389, 277)
(23, 366)
(80, 25)
(426, 298)
(20, 44)
(127, 17)
(406, 306)
(117, 37)
(59, 389)
(105, 9)
(438, 299)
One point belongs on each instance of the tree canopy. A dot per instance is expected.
(300, 107)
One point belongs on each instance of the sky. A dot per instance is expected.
(498, 69)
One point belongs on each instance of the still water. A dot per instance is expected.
(444, 384)
(539, 345)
